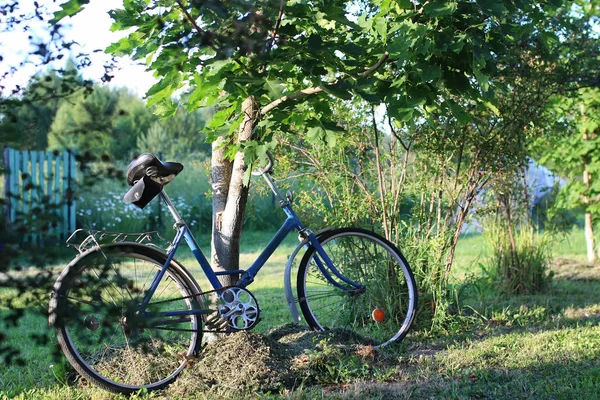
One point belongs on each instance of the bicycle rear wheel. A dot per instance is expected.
(383, 311)
(94, 309)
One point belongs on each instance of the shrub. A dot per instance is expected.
(523, 271)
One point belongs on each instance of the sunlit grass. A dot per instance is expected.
(537, 346)
(472, 252)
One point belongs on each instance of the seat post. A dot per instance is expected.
(171, 207)
(274, 188)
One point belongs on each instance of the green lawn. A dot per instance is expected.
(537, 346)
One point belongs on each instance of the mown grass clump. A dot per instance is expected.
(282, 359)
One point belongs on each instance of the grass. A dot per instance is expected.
(472, 252)
(535, 346)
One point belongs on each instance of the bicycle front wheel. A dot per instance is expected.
(382, 310)
(95, 309)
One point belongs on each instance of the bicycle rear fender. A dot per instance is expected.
(287, 276)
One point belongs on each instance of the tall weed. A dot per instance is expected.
(524, 271)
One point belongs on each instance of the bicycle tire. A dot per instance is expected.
(98, 332)
(390, 290)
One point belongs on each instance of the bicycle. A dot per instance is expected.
(130, 316)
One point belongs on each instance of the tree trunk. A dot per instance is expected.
(229, 197)
(589, 236)
(589, 223)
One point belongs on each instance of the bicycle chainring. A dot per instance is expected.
(239, 308)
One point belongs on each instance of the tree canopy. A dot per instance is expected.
(223, 52)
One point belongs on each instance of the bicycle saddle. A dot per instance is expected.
(147, 164)
(147, 175)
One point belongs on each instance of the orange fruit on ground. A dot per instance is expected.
(378, 315)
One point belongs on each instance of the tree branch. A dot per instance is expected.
(379, 63)
(380, 178)
(396, 134)
(293, 96)
(307, 92)
(189, 18)
(277, 25)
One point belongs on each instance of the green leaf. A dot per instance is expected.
(274, 87)
(220, 117)
(68, 9)
(165, 108)
(492, 7)
(459, 112)
(548, 38)
(164, 88)
(429, 72)
(482, 79)
(405, 4)
(459, 43)
(331, 138)
(366, 88)
(339, 89)
(315, 134)
(380, 26)
(456, 81)
(440, 8)
(492, 107)
(217, 66)
(234, 126)
(404, 108)
(122, 47)
(398, 49)
(199, 93)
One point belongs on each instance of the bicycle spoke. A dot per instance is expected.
(165, 287)
(329, 305)
(110, 343)
(111, 283)
(314, 297)
(364, 257)
(122, 287)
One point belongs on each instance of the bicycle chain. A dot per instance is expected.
(192, 296)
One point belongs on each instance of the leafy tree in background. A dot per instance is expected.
(105, 121)
(26, 123)
(61, 110)
(418, 184)
(571, 143)
(252, 60)
(177, 136)
(573, 150)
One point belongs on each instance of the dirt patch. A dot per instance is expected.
(283, 358)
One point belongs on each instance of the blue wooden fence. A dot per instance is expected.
(40, 189)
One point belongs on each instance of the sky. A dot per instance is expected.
(91, 29)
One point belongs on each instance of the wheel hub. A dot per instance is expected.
(91, 323)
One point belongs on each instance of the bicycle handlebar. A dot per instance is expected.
(267, 169)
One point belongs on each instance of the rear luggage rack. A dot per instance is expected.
(86, 239)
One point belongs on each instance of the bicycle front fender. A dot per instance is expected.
(287, 276)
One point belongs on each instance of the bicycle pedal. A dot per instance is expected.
(216, 323)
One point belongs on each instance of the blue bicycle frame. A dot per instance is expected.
(292, 223)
